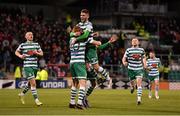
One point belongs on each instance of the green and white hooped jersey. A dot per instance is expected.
(86, 26)
(78, 51)
(153, 64)
(134, 58)
(30, 60)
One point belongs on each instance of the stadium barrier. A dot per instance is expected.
(53, 84)
(125, 84)
(7, 84)
(44, 84)
(174, 86)
(116, 84)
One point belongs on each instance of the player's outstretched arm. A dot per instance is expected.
(109, 43)
(113, 38)
(103, 46)
(95, 34)
(96, 43)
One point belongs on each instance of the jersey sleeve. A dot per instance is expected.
(19, 48)
(90, 40)
(143, 54)
(83, 36)
(147, 63)
(126, 53)
(89, 28)
(39, 48)
(103, 46)
(159, 63)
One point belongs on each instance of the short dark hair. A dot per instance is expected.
(135, 37)
(85, 11)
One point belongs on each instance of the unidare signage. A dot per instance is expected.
(44, 84)
(54, 84)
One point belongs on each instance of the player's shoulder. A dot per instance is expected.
(79, 24)
(23, 44)
(149, 60)
(140, 48)
(158, 59)
(89, 23)
(128, 49)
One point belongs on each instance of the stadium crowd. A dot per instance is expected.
(169, 31)
(52, 36)
(54, 39)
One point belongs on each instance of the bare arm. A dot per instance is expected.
(144, 62)
(96, 43)
(39, 53)
(109, 43)
(18, 54)
(124, 61)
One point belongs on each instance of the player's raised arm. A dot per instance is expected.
(96, 43)
(109, 43)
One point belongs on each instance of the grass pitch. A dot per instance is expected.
(103, 102)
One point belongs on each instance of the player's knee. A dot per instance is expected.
(33, 84)
(82, 83)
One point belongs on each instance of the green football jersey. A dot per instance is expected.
(26, 49)
(134, 58)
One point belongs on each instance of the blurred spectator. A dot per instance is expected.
(42, 63)
(166, 71)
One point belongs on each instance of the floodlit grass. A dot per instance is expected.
(103, 102)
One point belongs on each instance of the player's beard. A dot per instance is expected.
(83, 20)
(135, 46)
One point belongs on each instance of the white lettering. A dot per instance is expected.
(52, 84)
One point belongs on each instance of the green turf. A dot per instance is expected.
(103, 102)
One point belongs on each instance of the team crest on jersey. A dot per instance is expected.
(154, 65)
(136, 56)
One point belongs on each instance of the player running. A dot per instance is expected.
(29, 52)
(134, 58)
(153, 65)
